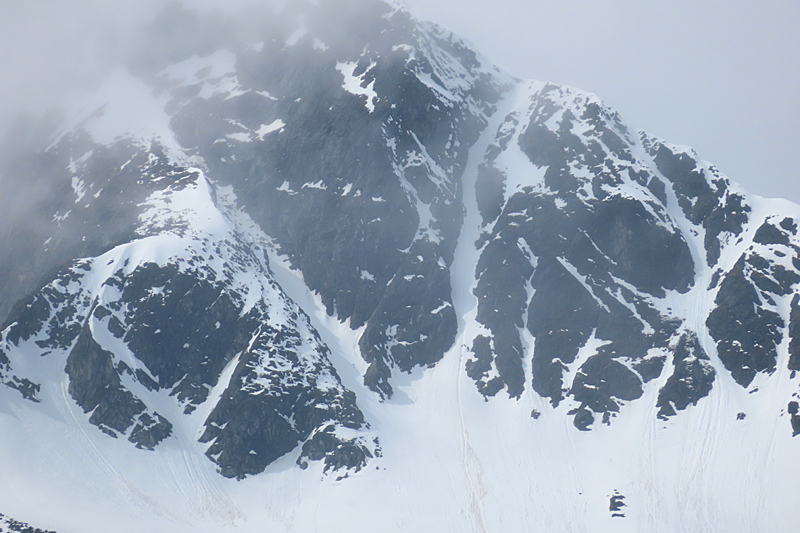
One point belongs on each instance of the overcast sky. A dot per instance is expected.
(720, 76)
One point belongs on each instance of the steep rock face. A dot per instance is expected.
(350, 159)
(703, 195)
(284, 390)
(794, 335)
(747, 328)
(97, 389)
(753, 284)
(579, 251)
(691, 380)
(158, 321)
(9, 525)
(587, 239)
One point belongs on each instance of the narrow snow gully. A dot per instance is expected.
(463, 281)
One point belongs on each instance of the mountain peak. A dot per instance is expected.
(281, 277)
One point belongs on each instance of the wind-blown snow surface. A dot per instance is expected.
(499, 310)
(451, 462)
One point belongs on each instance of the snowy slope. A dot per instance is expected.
(364, 281)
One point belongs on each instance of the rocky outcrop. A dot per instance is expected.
(9, 525)
(608, 267)
(582, 245)
(160, 320)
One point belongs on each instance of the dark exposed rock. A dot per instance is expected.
(274, 402)
(794, 415)
(702, 193)
(561, 317)
(9, 525)
(180, 323)
(615, 505)
(481, 364)
(414, 323)
(95, 386)
(746, 331)
(696, 196)
(355, 228)
(794, 334)
(769, 234)
(194, 320)
(789, 225)
(254, 435)
(149, 431)
(649, 368)
(692, 379)
(730, 216)
(325, 446)
(568, 264)
(602, 379)
(583, 418)
(26, 387)
(641, 252)
(502, 299)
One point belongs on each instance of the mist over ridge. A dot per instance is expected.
(323, 266)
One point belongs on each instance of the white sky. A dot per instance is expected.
(720, 76)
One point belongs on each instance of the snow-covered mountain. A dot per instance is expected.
(348, 275)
